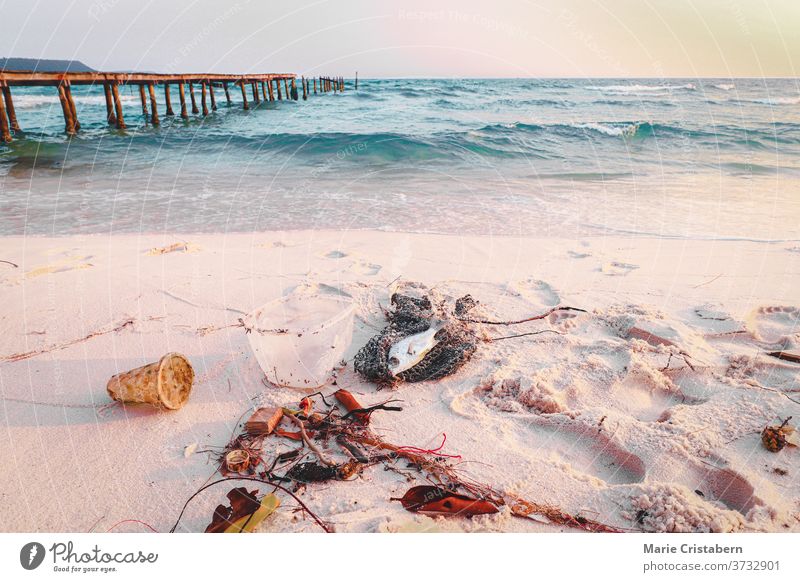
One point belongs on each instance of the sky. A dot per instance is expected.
(414, 38)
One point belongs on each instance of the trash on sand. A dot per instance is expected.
(237, 461)
(788, 356)
(411, 350)
(189, 450)
(299, 339)
(166, 383)
(434, 341)
(245, 512)
(312, 472)
(776, 437)
(264, 421)
(432, 500)
(183, 247)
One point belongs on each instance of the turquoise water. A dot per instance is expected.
(695, 158)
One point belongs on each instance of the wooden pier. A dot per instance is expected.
(147, 84)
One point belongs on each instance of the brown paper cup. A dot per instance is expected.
(166, 383)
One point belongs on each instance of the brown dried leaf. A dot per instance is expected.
(243, 503)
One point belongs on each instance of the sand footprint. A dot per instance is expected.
(617, 268)
(585, 450)
(70, 264)
(365, 268)
(713, 320)
(537, 292)
(334, 254)
(775, 325)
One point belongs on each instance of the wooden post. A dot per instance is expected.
(315, 85)
(254, 87)
(112, 119)
(269, 90)
(182, 91)
(5, 134)
(244, 95)
(69, 122)
(227, 94)
(72, 107)
(118, 106)
(303, 83)
(153, 104)
(211, 95)
(294, 89)
(144, 102)
(203, 98)
(356, 80)
(195, 110)
(168, 101)
(12, 114)
(263, 91)
(278, 85)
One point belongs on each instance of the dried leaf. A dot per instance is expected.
(435, 500)
(776, 437)
(243, 504)
(248, 523)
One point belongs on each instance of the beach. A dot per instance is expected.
(646, 432)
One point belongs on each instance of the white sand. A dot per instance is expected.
(589, 420)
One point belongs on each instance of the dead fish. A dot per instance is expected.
(411, 350)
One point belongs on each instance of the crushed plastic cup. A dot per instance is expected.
(166, 383)
(298, 340)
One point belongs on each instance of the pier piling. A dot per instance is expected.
(118, 106)
(244, 96)
(72, 108)
(69, 122)
(211, 96)
(278, 85)
(203, 103)
(182, 92)
(5, 134)
(168, 101)
(144, 102)
(195, 110)
(110, 117)
(153, 104)
(10, 111)
(227, 93)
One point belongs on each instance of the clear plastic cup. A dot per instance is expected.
(299, 339)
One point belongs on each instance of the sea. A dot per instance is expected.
(672, 158)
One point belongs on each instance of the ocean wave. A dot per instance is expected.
(794, 100)
(725, 86)
(39, 100)
(642, 88)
